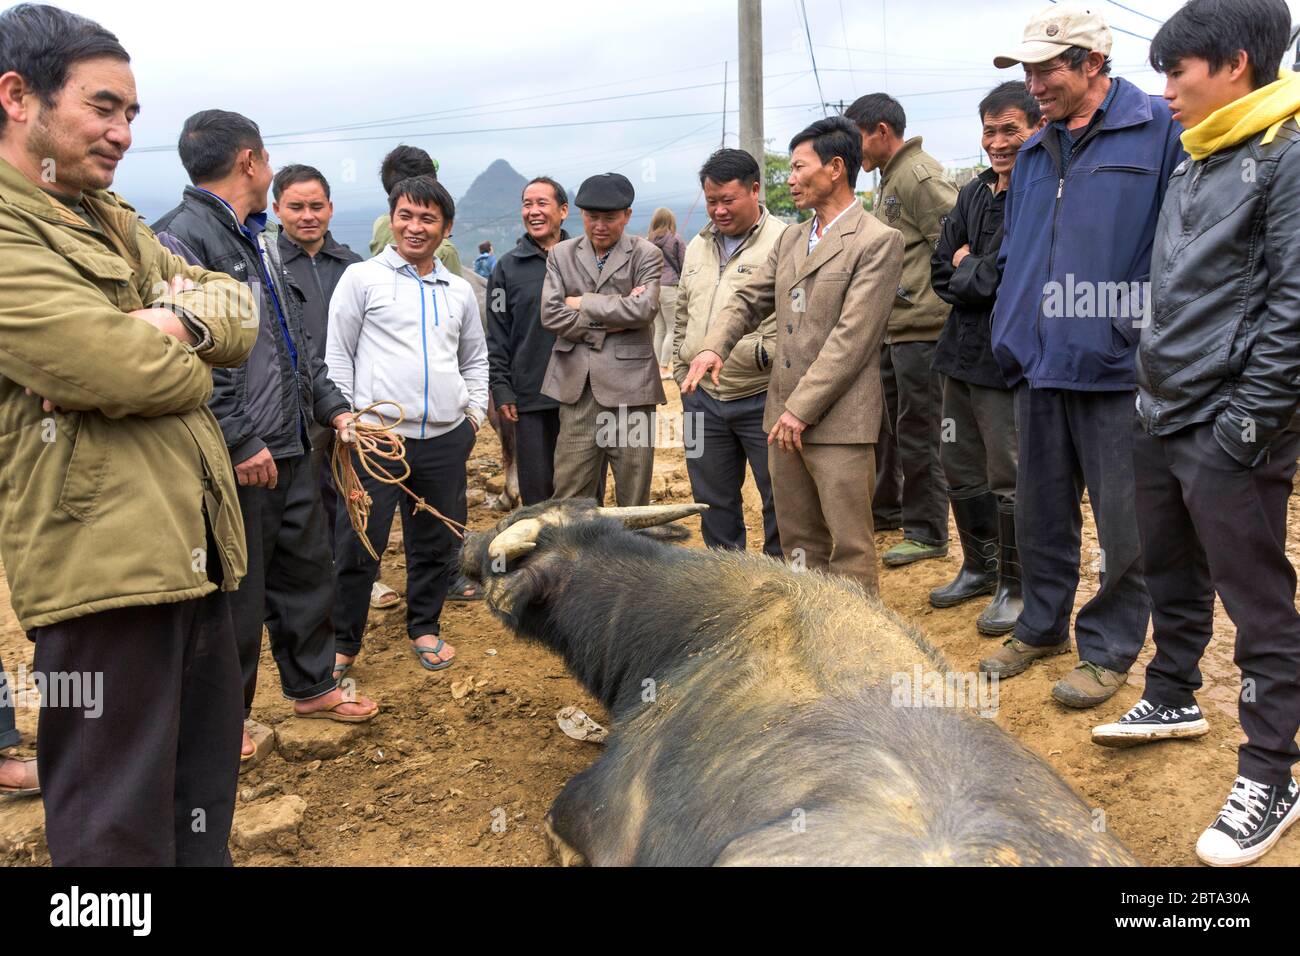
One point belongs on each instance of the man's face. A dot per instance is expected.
(810, 180)
(542, 214)
(305, 211)
(605, 229)
(79, 140)
(1004, 134)
(1194, 92)
(732, 206)
(875, 148)
(418, 230)
(1059, 90)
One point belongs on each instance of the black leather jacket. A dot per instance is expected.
(263, 403)
(1223, 340)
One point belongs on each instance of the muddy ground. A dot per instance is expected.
(461, 765)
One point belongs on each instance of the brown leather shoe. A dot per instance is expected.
(1088, 685)
(1015, 655)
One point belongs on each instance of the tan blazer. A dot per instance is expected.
(623, 367)
(831, 309)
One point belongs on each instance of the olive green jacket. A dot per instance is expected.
(382, 234)
(915, 198)
(103, 503)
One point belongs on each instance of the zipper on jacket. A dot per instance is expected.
(424, 344)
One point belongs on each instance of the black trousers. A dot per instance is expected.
(910, 485)
(151, 780)
(1209, 524)
(729, 435)
(979, 442)
(9, 736)
(432, 551)
(289, 586)
(1070, 440)
(535, 435)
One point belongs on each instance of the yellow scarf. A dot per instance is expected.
(1265, 109)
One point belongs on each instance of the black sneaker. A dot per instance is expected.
(1254, 818)
(1148, 721)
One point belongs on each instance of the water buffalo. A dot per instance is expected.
(754, 713)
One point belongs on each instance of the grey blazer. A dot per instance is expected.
(611, 337)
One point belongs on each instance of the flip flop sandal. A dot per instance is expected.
(329, 714)
(421, 651)
(341, 671)
(263, 743)
(8, 791)
(383, 597)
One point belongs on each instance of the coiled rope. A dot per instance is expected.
(376, 443)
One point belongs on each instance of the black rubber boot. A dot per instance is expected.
(977, 526)
(1001, 614)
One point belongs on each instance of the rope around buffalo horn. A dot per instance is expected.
(376, 442)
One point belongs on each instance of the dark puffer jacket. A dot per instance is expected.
(1223, 342)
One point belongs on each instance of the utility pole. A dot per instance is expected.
(751, 83)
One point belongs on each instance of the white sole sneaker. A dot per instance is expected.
(1216, 848)
(1119, 735)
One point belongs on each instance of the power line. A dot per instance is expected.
(813, 57)
(1136, 12)
(844, 32)
(1121, 29)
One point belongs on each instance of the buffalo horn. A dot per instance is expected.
(648, 516)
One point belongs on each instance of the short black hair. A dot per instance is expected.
(871, 110)
(1076, 56)
(728, 165)
(404, 162)
(831, 137)
(297, 173)
(41, 43)
(1215, 30)
(485, 245)
(1012, 94)
(423, 191)
(561, 197)
(211, 140)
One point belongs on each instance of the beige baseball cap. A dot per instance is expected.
(1053, 30)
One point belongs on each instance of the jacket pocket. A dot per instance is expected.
(635, 350)
(87, 466)
(564, 345)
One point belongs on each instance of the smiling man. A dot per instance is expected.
(979, 459)
(519, 346)
(1076, 258)
(405, 332)
(119, 522)
(1218, 431)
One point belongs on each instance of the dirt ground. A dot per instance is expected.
(462, 774)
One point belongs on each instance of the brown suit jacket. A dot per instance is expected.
(622, 364)
(832, 308)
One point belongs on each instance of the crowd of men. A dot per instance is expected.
(1111, 307)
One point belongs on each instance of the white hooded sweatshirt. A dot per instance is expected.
(417, 341)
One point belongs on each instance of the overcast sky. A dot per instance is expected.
(459, 78)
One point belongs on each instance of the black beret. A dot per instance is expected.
(608, 192)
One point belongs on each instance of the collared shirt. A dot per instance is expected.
(1069, 139)
(814, 238)
(253, 234)
(601, 260)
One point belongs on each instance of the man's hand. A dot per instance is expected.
(787, 433)
(345, 426)
(960, 254)
(167, 322)
(573, 302)
(706, 363)
(258, 471)
(510, 412)
(638, 290)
